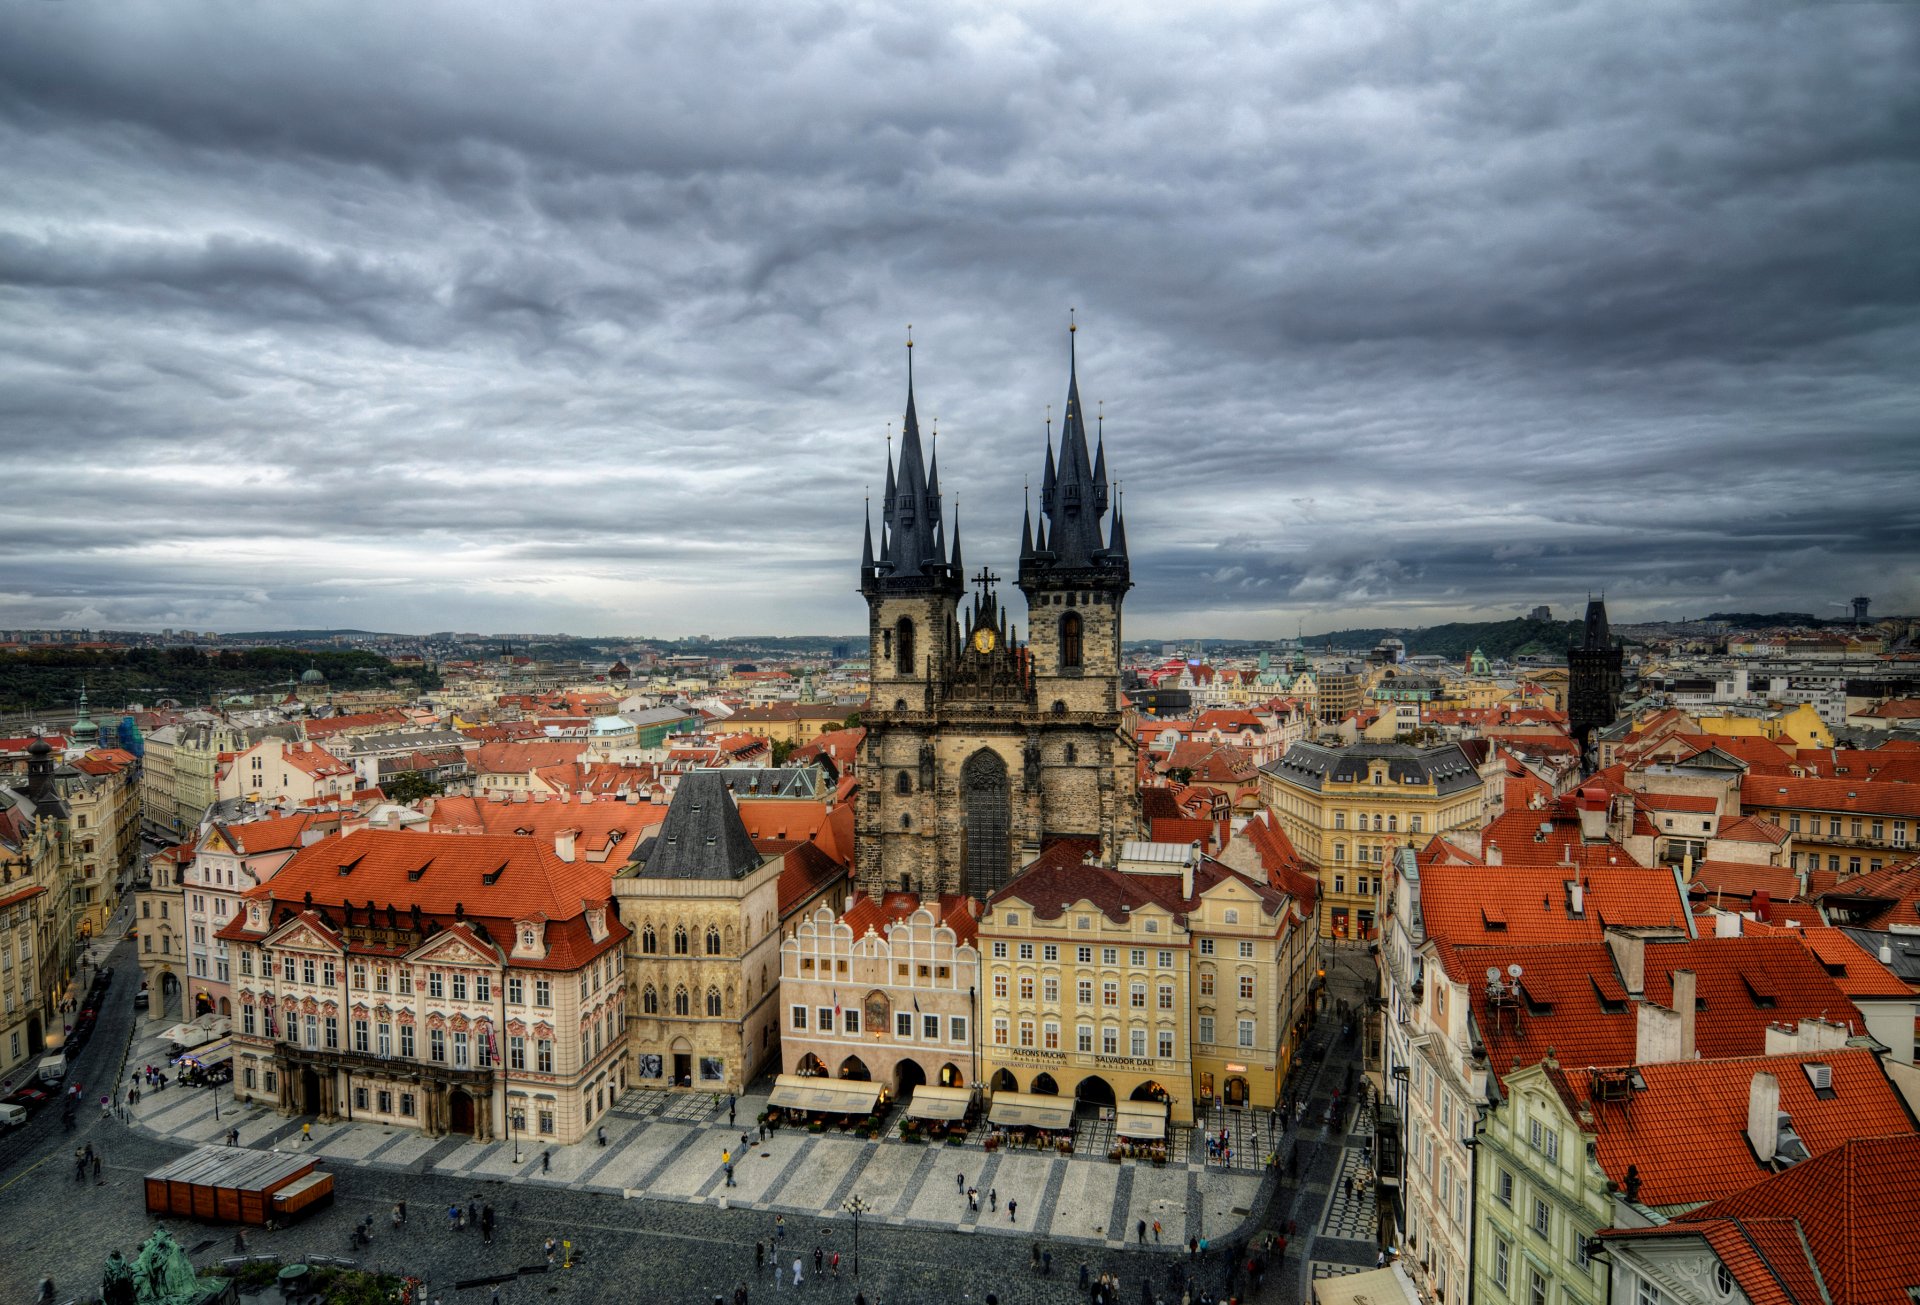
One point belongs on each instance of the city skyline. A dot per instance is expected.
(442, 320)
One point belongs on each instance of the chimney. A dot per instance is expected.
(1577, 899)
(1630, 958)
(1886, 953)
(1591, 803)
(1726, 924)
(1683, 1006)
(1656, 1034)
(563, 844)
(1762, 905)
(1493, 856)
(1186, 871)
(1808, 1035)
(1763, 1117)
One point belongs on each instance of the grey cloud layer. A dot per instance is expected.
(589, 317)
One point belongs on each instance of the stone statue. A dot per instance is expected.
(163, 1275)
(1032, 760)
(116, 1284)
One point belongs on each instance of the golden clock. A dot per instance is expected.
(983, 641)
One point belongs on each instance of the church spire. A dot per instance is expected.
(912, 547)
(958, 569)
(1117, 542)
(866, 547)
(1026, 524)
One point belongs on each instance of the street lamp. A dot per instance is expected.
(856, 1207)
(517, 1121)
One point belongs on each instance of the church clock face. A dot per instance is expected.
(983, 641)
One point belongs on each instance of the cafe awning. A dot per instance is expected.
(1025, 1110)
(930, 1102)
(1141, 1119)
(833, 1096)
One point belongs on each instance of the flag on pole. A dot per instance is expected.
(836, 1008)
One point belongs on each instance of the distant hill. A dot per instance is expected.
(303, 636)
(1457, 639)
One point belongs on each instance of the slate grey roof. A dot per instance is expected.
(1312, 766)
(702, 837)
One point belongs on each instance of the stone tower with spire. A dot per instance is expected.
(982, 751)
(1593, 681)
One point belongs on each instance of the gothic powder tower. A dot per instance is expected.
(982, 751)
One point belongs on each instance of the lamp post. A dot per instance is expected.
(517, 1121)
(856, 1207)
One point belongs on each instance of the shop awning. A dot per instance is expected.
(930, 1102)
(1142, 1119)
(206, 1057)
(1025, 1110)
(833, 1096)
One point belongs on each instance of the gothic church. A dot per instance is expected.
(982, 751)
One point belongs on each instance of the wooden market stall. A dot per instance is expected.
(235, 1185)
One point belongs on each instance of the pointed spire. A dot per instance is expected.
(1026, 522)
(958, 569)
(1117, 540)
(866, 547)
(1100, 459)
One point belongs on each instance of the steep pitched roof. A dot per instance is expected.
(702, 836)
(1682, 1124)
(1857, 1206)
(1875, 900)
(1469, 905)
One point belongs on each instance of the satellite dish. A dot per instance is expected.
(1514, 971)
(1493, 974)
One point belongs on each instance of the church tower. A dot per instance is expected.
(1593, 682)
(981, 752)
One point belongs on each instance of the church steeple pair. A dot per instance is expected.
(913, 550)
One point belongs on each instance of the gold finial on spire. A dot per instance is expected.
(1072, 325)
(909, 335)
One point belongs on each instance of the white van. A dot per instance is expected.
(12, 1116)
(53, 1069)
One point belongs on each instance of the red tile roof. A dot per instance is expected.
(1683, 1124)
(277, 833)
(371, 720)
(955, 910)
(1875, 900)
(1713, 880)
(1854, 970)
(1857, 1206)
(525, 758)
(1472, 905)
(1676, 801)
(1869, 797)
(445, 875)
(1752, 829)
(1520, 840)
(1577, 1006)
(805, 873)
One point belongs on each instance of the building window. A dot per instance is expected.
(1050, 952)
(1070, 638)
(1648, 1294)
(1026, 1033)
(680, 941)
(459, 986)
(957, 1029)
(1109, 955)
(1536, 1288)
(1026, 987)
(1050, 990)
(543, 1055)
(682, 1003)
(1050, 1036)
(1166, 1044)
(1206, 983)
(999, 1030)
(1246, 987)
(1166, 996)
(649, 941)
(1246, 1033)
(1502, 1262)
(1083, 1039)
(1000, 985)
(437, 1045)
(462, 1051)
(362, 1037)
(713, 941)
(1206, 1030)
(1084, 955)
(1137, 1043)
(1503, 1188)
(1000, 951)
(1206, 946)
(516, 1052)
(406, 1041)
(542, 992)
(713, 1002)
(1110, 992)
(516, 991)
(1110, 1041)
(1026, 951)
(1542, 1217)
(903, 647)
(903, 1024)
(1137, 996)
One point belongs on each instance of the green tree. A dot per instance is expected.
(782, 749)
(411, 786)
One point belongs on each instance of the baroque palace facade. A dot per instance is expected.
(983, 750)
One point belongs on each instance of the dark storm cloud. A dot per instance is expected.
(590, 317)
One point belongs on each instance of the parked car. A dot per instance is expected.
(31, 1098)
(12, 1116)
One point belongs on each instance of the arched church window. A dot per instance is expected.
(649, 1001)
(903, 647)
(649, 942)
(713, 1001)
(680, 940)
(1070, 651)
(680, 1005)
(1073, 754)
(713, 941)
(903, 782)
(1059, 707)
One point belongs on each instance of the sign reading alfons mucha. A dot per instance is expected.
(879, 1012)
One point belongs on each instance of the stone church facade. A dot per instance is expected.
(982, 750)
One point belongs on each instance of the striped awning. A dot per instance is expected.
(1141, 1119)
(930, 1102)
(1026, 1110)
(833, 1096)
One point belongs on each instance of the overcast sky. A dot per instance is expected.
(589, 317)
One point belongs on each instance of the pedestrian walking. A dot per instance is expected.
(495, 1298)
(546, 1162)
(473, 1212)
(239, 1241)
(1143, 1232)
(973, 1200)
(818, 1255)
(600, 1134)
(960, 1182)
(730, 1175)
(730, 1105)
(833, 1262)
(1193, 1247)
(453, 1222)
(779, 1226)
(796, 1270)
(550, 1250)
(1033, 1257)
(1156, 1230)
(1013, 1209)
(1046, 1264)
(486, 1222)
(993, 1199)
(759, 1255)
(1083, 1275)
(306, 1133)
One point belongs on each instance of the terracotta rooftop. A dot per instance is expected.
(1682, 1124)
(1875, 900)
(1868, 797)
(1470, 905)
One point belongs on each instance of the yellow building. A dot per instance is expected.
(1799, 725)
(1346, 809)
(784, 722)
(1165, 980)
